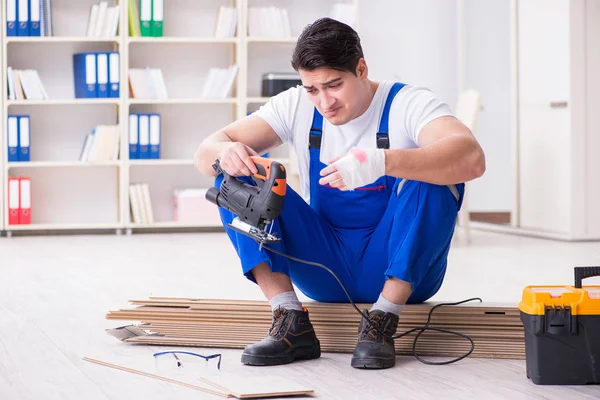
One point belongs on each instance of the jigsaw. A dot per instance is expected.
(255, 206)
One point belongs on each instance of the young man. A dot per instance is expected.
(382, 167)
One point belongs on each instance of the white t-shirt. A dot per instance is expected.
(290, 114)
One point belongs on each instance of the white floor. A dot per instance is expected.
(55, 291)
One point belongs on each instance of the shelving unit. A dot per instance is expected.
(68, 194)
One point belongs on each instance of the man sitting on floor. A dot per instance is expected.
(382, 168)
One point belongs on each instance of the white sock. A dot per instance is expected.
(287, 300)
(385, 305)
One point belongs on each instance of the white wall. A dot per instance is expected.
(412, 41)
(417, 42)
(487, 58)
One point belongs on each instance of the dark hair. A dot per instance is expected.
(327, 43)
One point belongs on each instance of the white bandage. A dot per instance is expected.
(361, 166)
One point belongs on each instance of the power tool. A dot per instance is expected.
(255, 206)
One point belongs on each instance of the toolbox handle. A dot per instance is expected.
(585, 272)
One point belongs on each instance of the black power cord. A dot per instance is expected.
(421, 330)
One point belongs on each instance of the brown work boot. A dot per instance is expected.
(290, 338)
(373, 350)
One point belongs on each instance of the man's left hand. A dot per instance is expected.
(357, 168)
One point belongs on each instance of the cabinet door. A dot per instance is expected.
(544, 119)
(543, 51)
(545, 169)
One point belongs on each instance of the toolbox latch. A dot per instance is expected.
(559, 320)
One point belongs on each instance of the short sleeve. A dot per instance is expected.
(280, 111)
(419, 106)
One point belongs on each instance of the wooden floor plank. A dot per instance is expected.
(34, 366)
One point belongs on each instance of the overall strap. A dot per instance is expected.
(314, 139)
(383, 139)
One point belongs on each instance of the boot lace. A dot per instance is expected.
(279, 319)
(371, 330)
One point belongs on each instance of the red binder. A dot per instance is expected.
(25, 201)
(14, 200)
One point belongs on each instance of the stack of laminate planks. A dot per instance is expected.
(497, 331)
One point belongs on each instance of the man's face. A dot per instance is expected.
(336, 94)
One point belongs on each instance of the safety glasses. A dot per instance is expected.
(182, 358)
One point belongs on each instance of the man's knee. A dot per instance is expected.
(428, 193)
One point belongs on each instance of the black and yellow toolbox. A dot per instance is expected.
(562, 331)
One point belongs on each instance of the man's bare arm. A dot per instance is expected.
(449, 154)
(234, 144)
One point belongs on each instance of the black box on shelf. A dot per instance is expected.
(277, 82)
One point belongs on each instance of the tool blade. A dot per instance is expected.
(253, 232)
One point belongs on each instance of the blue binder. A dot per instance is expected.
(114, 74)
(155, 133)
(23, 17)
(134, 136)
(24, 138)
(102, 74)
(11, 18)
(85, 75)
(144, 137)
(34, 18)
(12, 130)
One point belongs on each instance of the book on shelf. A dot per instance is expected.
(149, 21)
(19, 200)
(219, 82)
(144, 136)
(147, 83)
(140, 204)
(25, 85)
(101, 144)
(18, 135)
(269, 21)
(28, 17)
(103, 20)
(133, 21)
(96, 74)
(226, 22)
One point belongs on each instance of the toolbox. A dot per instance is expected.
(562, 331)
(276, 82)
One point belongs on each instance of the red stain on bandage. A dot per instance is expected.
(360, 155)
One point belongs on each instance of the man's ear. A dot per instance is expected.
(362, 71)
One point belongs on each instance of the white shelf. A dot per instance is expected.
(183, 101)
(161, 162)
(67, 226)
(170, 224)
(62, 102)
(60, 39)
(61, 164)
(182, 40)
(185, 55)
(271, 40)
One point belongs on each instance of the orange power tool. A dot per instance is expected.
(255, 206)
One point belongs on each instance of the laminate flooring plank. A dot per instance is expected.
(8, 392)
(35, 367)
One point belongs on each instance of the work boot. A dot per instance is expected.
(373, 350)
(291, 337)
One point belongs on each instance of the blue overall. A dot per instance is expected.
(390, 228)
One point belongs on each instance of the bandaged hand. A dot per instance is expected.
(357, 168)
